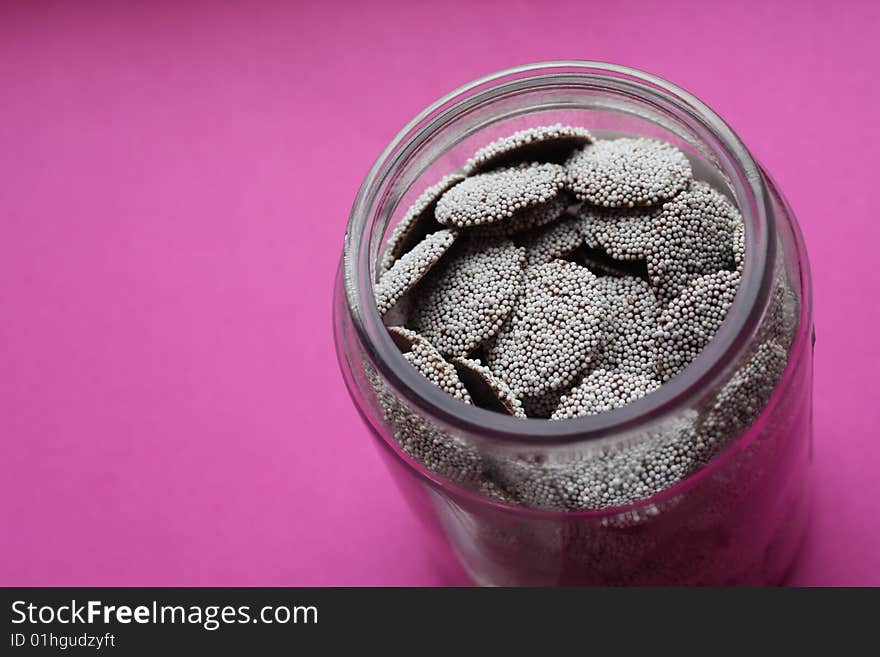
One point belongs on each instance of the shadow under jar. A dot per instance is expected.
(736, 422)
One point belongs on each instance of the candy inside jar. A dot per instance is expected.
(584, 342)
(558, 275)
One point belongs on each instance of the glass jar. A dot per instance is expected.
(734, 428)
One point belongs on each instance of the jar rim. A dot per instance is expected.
(709, 367)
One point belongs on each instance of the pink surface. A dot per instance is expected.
(174, 184)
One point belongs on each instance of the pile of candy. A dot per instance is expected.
(557, 275)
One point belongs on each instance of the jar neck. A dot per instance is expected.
(591, 87)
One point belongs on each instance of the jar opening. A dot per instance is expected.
(589, 88)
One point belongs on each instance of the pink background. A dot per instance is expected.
(175, 179)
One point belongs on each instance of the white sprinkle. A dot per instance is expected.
(628, 172)
(603, 390)
(690, 321)
(554, 143)
(692, 236)
(464, 303)
(554, 332)
(553, 241)
(410, 269)
(486, 389)
(418, 222)
(499, 196)
(624, 234)
(632, 322)
(422, 355)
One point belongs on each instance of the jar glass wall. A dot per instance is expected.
(734, 428)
